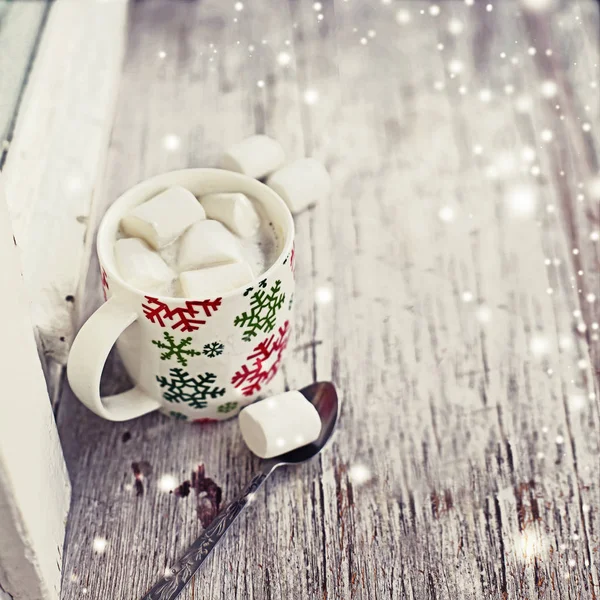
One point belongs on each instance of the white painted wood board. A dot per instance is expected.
(55, 165)
(20, 26)
(34, 485)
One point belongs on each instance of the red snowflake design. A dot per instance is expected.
(293, 259)
(205, 421)
(105, 286)
(184, 318)
(266, 359)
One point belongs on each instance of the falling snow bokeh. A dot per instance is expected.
(481, 367)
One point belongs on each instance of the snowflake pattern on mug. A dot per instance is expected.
(184, 318)
(213, 349)
(262, 313)
(179, 350)
(105, 286)
(262, 364)
(227, 407)
(291, 259)
(194, 391)
(177, 415)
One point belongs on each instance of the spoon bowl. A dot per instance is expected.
(324, 398)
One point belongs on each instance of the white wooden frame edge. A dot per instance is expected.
(52, 177)
(55, 164)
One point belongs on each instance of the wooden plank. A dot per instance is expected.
(466, 463)
(575, 155)
(55, 166)
(20, 27)
(34, 486)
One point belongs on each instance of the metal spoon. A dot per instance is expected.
(324, 398)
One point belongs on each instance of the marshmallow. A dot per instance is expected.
(279, 424)
(207, 243)
(256, 156)
(215, 280)
(234, 210)
(301, 183)
(142, 267)
(164, 218)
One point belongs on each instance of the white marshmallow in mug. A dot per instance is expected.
(234, 210)
(301, 183)
(256, 156)
(164, 218)
(142, 267)
(210, 281)
(279, 424)
(207, 243)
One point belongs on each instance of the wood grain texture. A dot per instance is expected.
(56, 159)
(21, 24)
(32, 466)
(438, 287)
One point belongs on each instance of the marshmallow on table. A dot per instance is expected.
(164, 218)
(256, 156)
(215, 280)
(142, 267)
(279, 424)
(234, 210)
(207, 243)
(301, 183)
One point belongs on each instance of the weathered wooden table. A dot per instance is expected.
(449, 287)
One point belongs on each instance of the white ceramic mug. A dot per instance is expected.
(197, 359)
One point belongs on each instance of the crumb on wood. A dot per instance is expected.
(208, 495)
(526, 503)
(126, 437)
(441, 503)
(140, 470)
(448, 499)
(183, 490)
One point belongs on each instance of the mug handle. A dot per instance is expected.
(88, 355)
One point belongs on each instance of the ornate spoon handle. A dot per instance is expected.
(170, 586)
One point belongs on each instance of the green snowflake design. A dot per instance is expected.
(263, 311)
(182, 387)
(213, 349)
(227, 407)
(291, 303)
(179, 350)
(177, 415)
